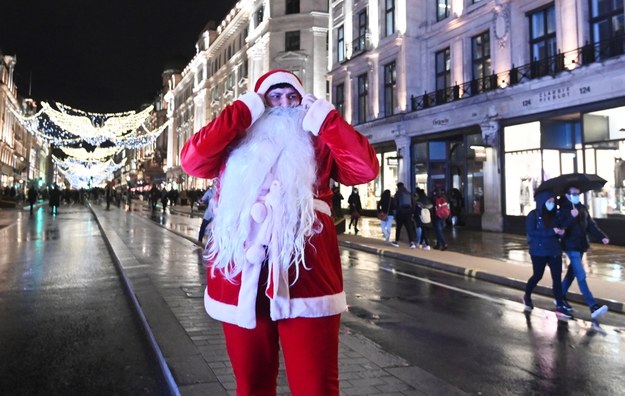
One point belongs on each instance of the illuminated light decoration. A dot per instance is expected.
(72, 127)
(98, 154)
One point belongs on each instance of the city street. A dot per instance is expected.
(67, 323)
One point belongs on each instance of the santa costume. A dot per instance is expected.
(274, 273)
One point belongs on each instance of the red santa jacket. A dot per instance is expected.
(341, 153)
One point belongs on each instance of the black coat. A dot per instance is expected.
(539, 225)
(577, 228)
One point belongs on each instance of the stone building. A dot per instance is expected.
(256, 36)
(489, 97)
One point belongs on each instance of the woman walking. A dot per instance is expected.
(386, 213)
(543, 236)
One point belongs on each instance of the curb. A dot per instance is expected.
(128, 289)
(615, 306)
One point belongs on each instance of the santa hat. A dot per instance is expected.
(278, 76)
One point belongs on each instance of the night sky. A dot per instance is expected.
(101, 55)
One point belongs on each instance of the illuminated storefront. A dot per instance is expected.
(590, 141)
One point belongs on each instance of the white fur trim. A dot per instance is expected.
(315, 307)
(322, 207)
(316, 115)
(246, 309)
(281, 78)
(255, 103)
(311, 307)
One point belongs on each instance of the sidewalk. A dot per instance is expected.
(161, 273)
(494, 257)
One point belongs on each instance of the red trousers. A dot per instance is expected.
(310, 347)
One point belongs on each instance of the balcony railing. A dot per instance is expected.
(361, 44)
(551, 66)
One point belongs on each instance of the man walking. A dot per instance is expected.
(578, 224)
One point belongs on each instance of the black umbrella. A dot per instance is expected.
(560, 184)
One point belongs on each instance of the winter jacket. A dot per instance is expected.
(342, 154)
(542, 239)
(423, 203)
(387, 205)
(577, 228)
(207, 198)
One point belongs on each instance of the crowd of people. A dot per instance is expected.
(416, 212)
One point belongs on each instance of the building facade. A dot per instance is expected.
(489, 97)
(23, 158)
(255, 37)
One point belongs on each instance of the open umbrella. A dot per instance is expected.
(560, 184)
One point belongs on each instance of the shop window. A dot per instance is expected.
(438, 151)
(523, 175)
(559, 134)
(596, 128)
(522, 137)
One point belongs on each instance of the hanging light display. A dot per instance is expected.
(90, 141)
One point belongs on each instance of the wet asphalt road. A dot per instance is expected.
(66, 327)
(474, 334)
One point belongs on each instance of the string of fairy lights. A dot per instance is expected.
(90, 142)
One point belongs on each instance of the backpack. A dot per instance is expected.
(442, 208)
(404, 200)
(425, 216)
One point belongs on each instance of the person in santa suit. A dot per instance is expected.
(274, 274)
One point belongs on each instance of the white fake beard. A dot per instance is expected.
(278, 147)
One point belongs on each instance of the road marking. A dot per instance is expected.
(482, 296)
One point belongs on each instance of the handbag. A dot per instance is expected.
(355, 214)
(383, 216)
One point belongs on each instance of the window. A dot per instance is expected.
(389, 19)
(339, 99)
(361, 39)
(259, 15)
(340, 44)
(291, 41)
(480, 59)
(543, 46)
(606, 26)
(443, 74)
(442, 9)
(390, 84)
(292, 6)
(363, 97)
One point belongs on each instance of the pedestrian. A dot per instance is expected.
(386, 213)
(206, 199)
(164, 198)
(155, 195)
(274, 275)
(578, 223)
(54, 199)
(441, 214)
(543, 236)
(337, 197)
(108, 195)
(355, 209)
(456, 205)
(403, 215)
(423, 219)
(32, 197)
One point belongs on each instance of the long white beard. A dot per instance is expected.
(275, 149)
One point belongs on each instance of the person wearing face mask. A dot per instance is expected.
(578, 223)
(543, 235)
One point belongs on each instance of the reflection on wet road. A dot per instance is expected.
(475, 335)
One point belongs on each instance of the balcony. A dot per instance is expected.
(551, 66)
(360, 45)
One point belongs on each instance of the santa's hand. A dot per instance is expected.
(308, 100)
